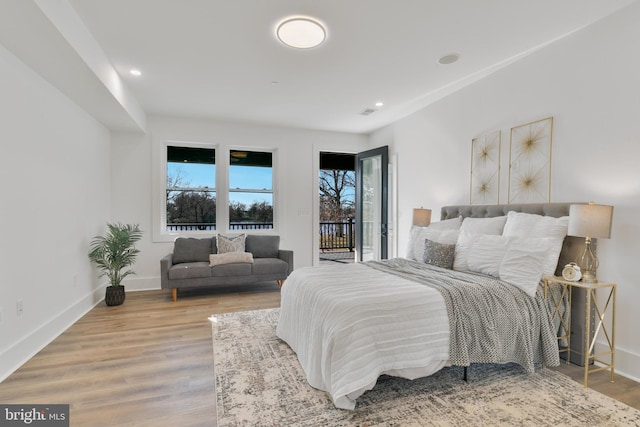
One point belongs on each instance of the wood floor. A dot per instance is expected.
(149, 361)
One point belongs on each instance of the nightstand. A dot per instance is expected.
(590, 336)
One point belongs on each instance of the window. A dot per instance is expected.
(191, 189)
(250, 190)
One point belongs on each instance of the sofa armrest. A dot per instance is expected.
(286, 256)
(165, 265)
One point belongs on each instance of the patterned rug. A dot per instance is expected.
(259, 382)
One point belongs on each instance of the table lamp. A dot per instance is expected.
(421, 217)
(589, 221)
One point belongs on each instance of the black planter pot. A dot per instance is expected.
(114, 295)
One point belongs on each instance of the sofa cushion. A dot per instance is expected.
(230, 244)
(190, 270)
(263, 246)
(270, 266)
(229, 270)
(190, 249)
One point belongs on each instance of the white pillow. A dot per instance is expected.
(415, 247)
(474, 227)
(447, 224)
(493, 225)
(531, 225)
(463, 246)
(522, 266)
(230, 258)
(522, 224)
(549, 245)
(487, 252)
(516, 260)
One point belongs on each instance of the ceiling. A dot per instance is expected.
(220, 59)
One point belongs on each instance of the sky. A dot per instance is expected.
(248, 177)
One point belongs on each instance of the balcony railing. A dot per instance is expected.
(211, 226)
(337, 235)
(333, 234)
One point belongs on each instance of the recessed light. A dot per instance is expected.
(449, 59)
(135, 72)
(379, 104)
(301, 32)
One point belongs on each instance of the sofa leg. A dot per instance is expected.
(280, 283)
(174, 294)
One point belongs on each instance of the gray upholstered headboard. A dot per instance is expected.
(572, 246)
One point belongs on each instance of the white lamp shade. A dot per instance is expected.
(421, 217)
(590, 220)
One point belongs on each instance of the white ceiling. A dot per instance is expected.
(219, 58)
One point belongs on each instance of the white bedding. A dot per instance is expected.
(402, 333)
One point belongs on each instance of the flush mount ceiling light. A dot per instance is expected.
(449, 59)
(135, 72)
(301, 32)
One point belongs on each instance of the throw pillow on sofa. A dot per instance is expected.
(230, 258)
(230, 244)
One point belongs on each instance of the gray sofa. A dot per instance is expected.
(188, 265)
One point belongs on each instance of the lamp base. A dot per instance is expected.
(588, 263)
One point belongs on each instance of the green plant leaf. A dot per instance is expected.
(115, 250)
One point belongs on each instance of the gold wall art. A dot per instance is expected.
(485, 169)
(530, 162)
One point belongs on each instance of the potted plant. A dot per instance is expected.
(112, 253)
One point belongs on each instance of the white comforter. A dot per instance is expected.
(347, 328)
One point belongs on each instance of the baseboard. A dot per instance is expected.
(19, 353)
(627, 363)
(148, 283)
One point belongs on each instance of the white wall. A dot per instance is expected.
(589, 83)
(135, 180)
(54, 169)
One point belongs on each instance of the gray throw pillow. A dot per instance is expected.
(439, 254)
(190, 249)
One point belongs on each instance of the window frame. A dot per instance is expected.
(222, 152)
(213, 189)
(273, 192)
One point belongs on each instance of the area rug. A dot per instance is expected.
(259, 382)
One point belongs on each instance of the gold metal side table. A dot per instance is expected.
(600, 312)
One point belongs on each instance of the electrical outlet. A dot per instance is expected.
(19, 307)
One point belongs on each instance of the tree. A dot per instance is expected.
(187, 205)
(261, 212)
(237, 212)
(191, 207)
(258, 212)
(337, 188)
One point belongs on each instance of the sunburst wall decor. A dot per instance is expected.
(485, 169)
(530, 162)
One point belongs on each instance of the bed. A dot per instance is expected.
(349, 324)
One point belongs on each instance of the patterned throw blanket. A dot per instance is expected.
(490, 321)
